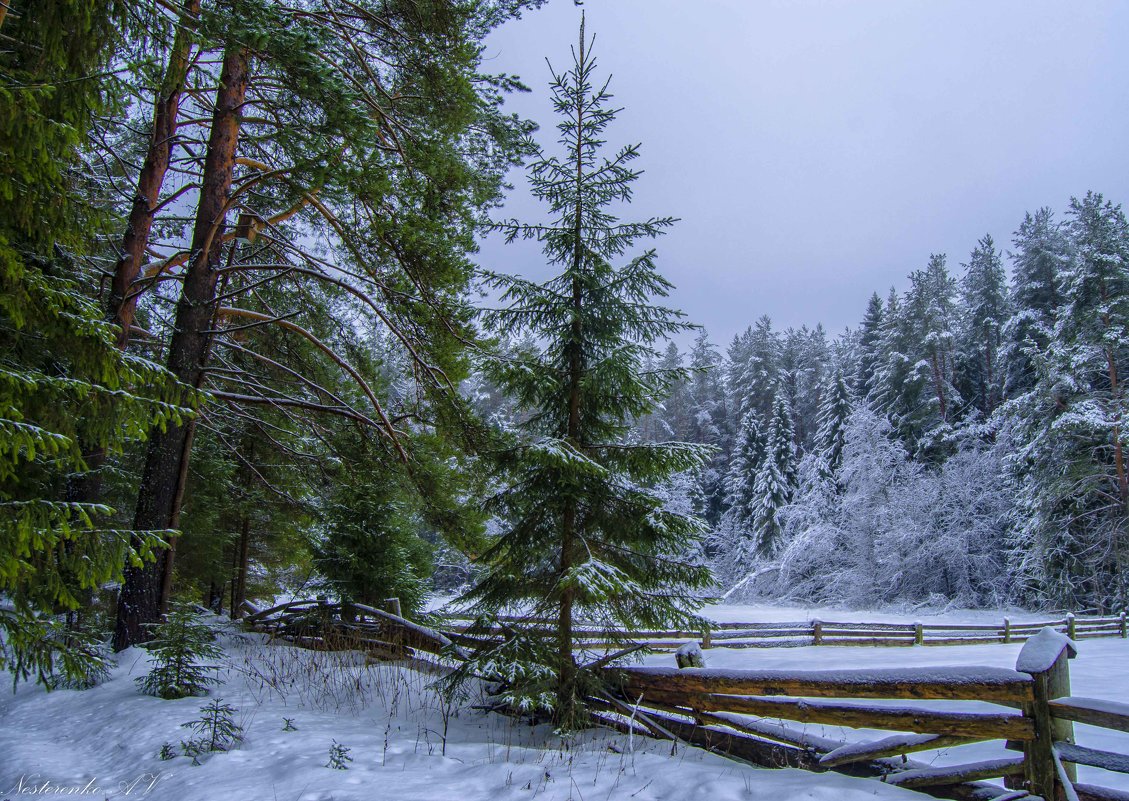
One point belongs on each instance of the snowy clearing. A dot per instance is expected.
(107, 739)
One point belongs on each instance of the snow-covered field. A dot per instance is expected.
(107, 739)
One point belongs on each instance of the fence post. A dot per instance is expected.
(1070, 625)
(706, 638)
(918, 634)
(817, 632)
(393, 605)
(1124, 633)
(1007, 630)
(1044, 657)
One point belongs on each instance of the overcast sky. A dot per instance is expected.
(819, 151)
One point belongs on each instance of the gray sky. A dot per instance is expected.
(819, 151)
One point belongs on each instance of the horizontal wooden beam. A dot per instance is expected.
(1095, 758)
(895, 745)
(952, 683)
(1095, 712)
(978, 725)
(957, 774)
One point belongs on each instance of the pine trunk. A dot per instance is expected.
(123, 295)
(162, 480)
(240, 579)
(566, 691)
(87, 487)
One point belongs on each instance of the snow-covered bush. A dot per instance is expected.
(894, 531)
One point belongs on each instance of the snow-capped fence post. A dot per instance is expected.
(817, 632)
(1071, 626)
(393, 605)
(1124, 631)
(1007, 630)
(918, 634)
(1044, 657)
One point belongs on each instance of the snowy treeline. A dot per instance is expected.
(962, 444)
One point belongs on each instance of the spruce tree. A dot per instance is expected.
(1041, 252)
(748, 454)
(581, 533)
(1067, 430)
(869, 348)
(180, 644)
(834, 412)
(984, 311)
(65, 389)
(776, 479)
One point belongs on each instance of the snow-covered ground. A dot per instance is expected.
(393, 725)
(107, 740)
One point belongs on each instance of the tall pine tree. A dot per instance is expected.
(582, 535)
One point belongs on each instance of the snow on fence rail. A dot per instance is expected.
(825, 632)
(740, 712)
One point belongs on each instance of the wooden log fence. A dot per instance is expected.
(746, 713)
(819, 632)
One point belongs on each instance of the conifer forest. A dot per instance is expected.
(320, 305)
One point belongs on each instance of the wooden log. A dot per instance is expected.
(958, 774)
(895, 745)
(979, 725)
(954, 683)
(817, 632)
(1007, 630)
(264, 613)
(961, 640)
(1090, 792)
(1094, 757)
(1113, 626)
(1124, 629)
(750, 634)
(918, 634)
(830, 631)
(1106, 714)
(725, 742)
(881, 642)
(1065, 779)
(961, 627)
(1071, 626)
(902, 627)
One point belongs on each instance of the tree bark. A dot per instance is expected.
(566, 687)
(159, 493)
(123, 295)
(87, 486)
(240, 579)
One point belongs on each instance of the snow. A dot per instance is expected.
(1041, 651)
(849, 752)
(946, 674)
(107, 740)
